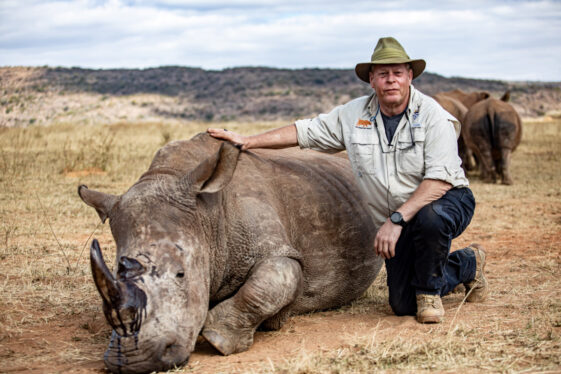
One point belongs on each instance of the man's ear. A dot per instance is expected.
(371, 77)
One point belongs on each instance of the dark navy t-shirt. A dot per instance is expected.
(390, 123)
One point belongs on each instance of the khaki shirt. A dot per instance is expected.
(424, 147)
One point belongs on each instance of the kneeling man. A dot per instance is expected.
(403, 151)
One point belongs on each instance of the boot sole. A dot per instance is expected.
(431, 319)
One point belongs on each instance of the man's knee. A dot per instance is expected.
(427, 221)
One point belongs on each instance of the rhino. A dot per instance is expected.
(493, 130)
(468, 99)
(457, 103)
(456, 108)
(217, 242)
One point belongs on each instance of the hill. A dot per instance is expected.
(44, 95)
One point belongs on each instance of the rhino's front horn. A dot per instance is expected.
(104, 281)
(124, 304)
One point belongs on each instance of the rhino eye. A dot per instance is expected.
(180, 274)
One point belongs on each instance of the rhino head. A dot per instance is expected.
(157, 299)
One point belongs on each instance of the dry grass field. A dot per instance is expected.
(50, 313)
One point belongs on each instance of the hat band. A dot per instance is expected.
(388, 54)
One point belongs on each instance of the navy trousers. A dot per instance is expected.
(423, 263)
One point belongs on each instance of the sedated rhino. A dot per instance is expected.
(223, 241)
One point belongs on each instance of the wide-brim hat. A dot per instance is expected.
(389, 51)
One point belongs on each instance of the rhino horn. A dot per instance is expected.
(102, 202)
(104, 281)
(124, 304)
(214, 173)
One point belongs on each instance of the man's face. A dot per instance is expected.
(391, 83)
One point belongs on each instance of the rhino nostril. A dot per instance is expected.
(172, 353)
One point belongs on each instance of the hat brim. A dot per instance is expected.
(362, 69)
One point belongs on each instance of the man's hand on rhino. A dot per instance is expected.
(230, 136)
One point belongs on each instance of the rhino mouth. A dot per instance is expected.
(125, 356)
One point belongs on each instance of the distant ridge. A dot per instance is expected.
(240, 94)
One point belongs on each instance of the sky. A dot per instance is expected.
(515, 40)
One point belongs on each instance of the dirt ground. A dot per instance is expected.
(51, 319)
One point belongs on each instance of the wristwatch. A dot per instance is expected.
(397, 219)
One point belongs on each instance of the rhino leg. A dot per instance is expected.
(273, 284)
(466, 155)
(486, 163)
(505, 166)
(471, 163)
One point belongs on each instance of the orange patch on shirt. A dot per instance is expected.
(363, 123)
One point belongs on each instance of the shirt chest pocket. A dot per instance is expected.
(365, 152)
(410, 151)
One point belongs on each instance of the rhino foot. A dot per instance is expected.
(273, 284)
(489, 178)
(226, 342)
(507, 179)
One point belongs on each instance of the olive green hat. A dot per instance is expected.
(389, 51)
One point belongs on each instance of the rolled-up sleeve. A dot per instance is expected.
(441, 152)
(322, 133)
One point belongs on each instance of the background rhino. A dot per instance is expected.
(457, 103)
(458, 110)
(493, 130)
(254, 236)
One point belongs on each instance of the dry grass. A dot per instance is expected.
(50, 314)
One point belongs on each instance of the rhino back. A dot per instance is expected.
(508, 123)
(305, 205)
(496, 122)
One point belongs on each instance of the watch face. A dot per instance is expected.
(396, 217)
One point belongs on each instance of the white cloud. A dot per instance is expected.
(515, 40)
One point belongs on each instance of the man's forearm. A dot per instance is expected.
(278, 138)
(428, 191)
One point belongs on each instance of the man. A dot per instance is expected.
(403, 151)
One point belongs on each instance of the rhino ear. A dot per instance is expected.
(101, 202)
(214, 173)
(506, 96)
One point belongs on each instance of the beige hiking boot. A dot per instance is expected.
(477, 289)
(429, 309)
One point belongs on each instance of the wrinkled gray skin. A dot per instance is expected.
(493, 130)
(457, 103)
(253, 236)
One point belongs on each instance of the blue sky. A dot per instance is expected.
(510, 40)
